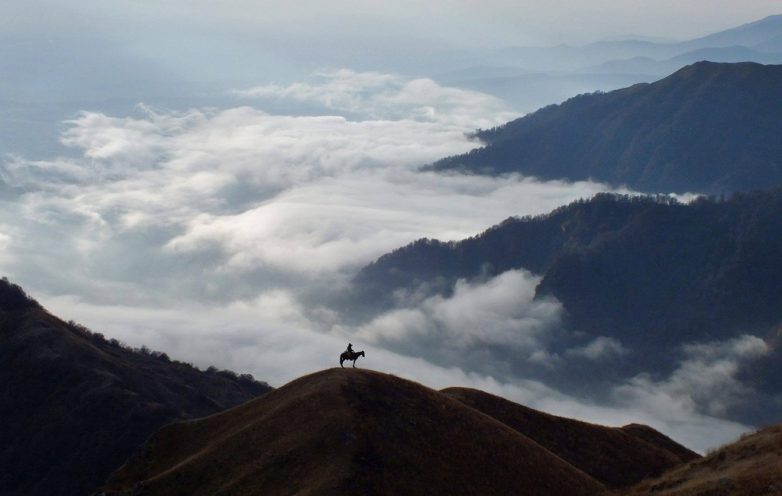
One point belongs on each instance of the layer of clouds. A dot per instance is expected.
(332, 223)
(272, 337)
(215, 195)
(196, 232)
(706, 380)
(464, 331)
(464, 328)
(373, 95)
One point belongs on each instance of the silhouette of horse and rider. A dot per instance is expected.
(349, 354)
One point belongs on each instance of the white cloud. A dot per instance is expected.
(600, 348)
(382, 96)
(706, 380)
(255, 191)
(340, 90)
(502, 312)
(333, 223)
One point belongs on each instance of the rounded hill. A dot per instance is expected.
(353, 431)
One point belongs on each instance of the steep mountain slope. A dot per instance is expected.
(662, 269)
(673, 273)
(750, 466)
(614, 456)
(74, 406)
(707, 128)
(351, 431)
(531, 243)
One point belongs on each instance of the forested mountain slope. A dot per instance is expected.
(650, 265)
(75, 405)
(707, 128)
(651, 274)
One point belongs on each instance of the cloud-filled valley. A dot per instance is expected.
(221, 235)
(239, 190)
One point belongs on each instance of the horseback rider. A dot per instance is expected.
(351, 355)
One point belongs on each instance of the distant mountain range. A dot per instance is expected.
(531, 77)
(751, 34)
(708, 128)
(652, 67)
(74, 405)
(359, 432)
(649, 272)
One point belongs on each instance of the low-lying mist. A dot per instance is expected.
(219, 235)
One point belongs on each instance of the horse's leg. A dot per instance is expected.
(340, 362)
(354, 362)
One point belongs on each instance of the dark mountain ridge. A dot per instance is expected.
(75, 405)
(614, 260)
(709, 128)
(352, 431)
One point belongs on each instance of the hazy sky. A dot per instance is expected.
(131, 48)
(455, 22)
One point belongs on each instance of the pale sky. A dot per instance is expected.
(455, 22)
(143, 47)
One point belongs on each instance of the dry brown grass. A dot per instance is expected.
(614, 456)
(295, 440)
(349, 432)
(752, 466)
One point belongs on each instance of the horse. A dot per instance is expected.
(348, 355)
